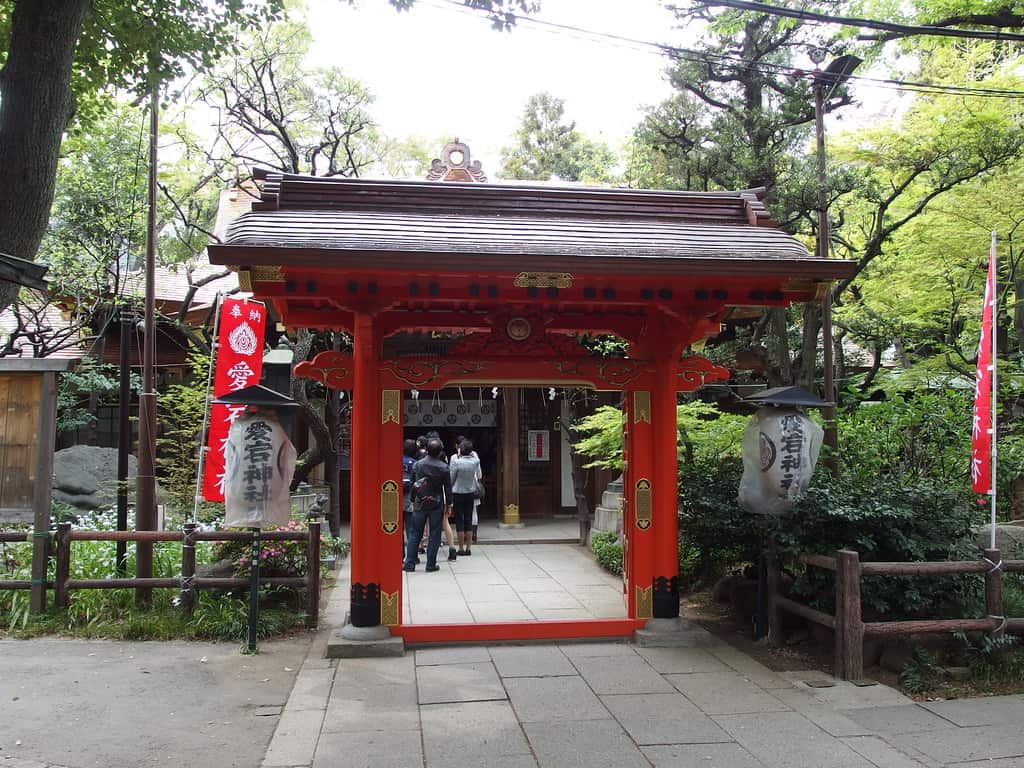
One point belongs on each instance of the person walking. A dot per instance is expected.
(431, 499)
(465, 474)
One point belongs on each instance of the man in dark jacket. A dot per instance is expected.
(409, 456)
(431, 499)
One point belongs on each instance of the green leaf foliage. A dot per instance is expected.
(548, 147)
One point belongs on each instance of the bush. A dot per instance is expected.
(886, 519)
(608, 551)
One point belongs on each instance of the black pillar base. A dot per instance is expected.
(665, 599)
(364, 609)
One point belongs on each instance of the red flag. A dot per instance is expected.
(984, 429)
(239, 363)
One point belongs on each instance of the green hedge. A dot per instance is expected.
(608, 552)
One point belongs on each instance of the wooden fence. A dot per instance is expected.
(187, 582)
(848, 623)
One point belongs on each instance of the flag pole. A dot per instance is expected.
(995, 379)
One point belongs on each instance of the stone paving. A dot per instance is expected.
(615, 705)
(515, 582)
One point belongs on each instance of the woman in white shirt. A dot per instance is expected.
(465, 474)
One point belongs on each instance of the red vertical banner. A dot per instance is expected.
(239, 364)
(983, 428)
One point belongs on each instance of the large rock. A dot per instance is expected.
(85, 476)
(1009, 540)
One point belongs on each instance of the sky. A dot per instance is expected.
(439, 71)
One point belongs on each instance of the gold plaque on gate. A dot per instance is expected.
(643, 504)
(543, 280)
(644, 602)
(389, 608)
(390, 506)
(390, 406)
(641, 406)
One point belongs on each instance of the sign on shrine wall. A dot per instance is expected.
(239, 364)
(538, 445)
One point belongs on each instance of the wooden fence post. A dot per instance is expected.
(188, 567)
(776, 636)
(849, 630)
(994, 592)
(313, 575)
(60, 585)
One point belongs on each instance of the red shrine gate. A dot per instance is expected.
(519, 270)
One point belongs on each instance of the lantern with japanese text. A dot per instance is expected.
(259, 461)
(780, 450)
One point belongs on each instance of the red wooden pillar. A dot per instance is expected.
(665, 490)
(637, 520)
(389, 491)
(365, 516)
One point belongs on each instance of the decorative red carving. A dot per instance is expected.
(330, 368)
(694, 372)
(518, 332)
(420, 373)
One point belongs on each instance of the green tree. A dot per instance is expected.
(62, 57)
(548, 147)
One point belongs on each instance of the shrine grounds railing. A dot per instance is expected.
(848, 624)
(187, 582)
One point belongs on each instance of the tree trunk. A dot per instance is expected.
(780, 372)
(333, 412)
(809, 347)
(36, 105)
(579, 478)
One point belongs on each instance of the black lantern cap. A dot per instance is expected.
(257, 394)
(787, 397)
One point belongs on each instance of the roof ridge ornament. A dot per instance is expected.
(455, 165)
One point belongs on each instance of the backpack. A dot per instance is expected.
(427, 493)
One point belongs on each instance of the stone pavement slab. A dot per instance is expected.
(458, 655)
(753, 670)
(845, 695)
(531, 661)
(789, 740)
(682, 660)
(501, 611)
(629, 674)
(663, 718)
(483, 733)
(369, 749)
(880, 753)
(829, 720)
(991, 710)
(295, 739)
(961, 745)
(589, 650)
(376, 708)
(583, 744)
(701, 756)
(553, 699)
(725, 693)
(907, 718)
(459, 682)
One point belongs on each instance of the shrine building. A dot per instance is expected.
(466, 303)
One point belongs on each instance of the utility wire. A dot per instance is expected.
(689, 54)
(907, 30)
